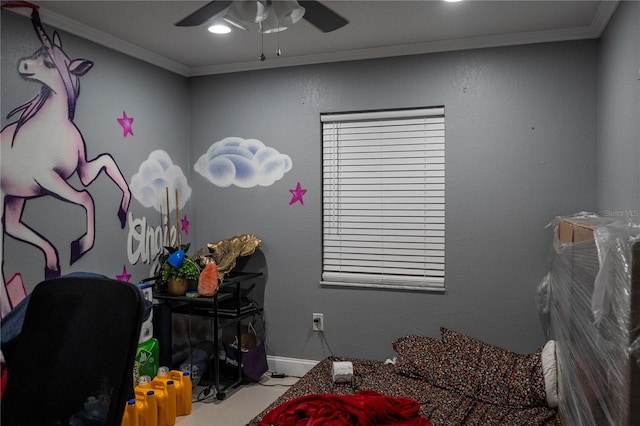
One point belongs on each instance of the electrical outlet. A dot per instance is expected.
(318, 322)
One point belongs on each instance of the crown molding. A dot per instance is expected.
(577, 33)
(594, 30)
(99, 37)
(604, 13)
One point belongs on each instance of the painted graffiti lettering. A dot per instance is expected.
(145, 243)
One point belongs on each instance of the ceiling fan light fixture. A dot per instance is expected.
(219, 29)
(272, 24)
(235, 22)
(288, 11)
(249, 11)
(271, 29)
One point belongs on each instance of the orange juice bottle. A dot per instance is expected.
(184, 392)
(152, 403)
(165, 391)
(146, 403)
(125, 414)
(188, 390)
(130, 415)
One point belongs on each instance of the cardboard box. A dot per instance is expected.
(574, 230)
(571, 232)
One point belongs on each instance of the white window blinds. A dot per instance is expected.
(384, 199)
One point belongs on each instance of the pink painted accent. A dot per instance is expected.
(297, 193)
(126, 123)
(15, 289)
(185, 224)
(124, 276)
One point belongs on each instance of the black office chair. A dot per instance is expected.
(73, 361)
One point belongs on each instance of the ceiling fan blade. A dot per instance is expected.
(203, 14)
(321, 17)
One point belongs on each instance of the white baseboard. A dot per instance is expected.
(290, 366)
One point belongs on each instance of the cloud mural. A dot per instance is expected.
(242, 162)
(155, 174)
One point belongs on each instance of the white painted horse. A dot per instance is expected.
(44, 148)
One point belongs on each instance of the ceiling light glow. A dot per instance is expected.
(219, 29)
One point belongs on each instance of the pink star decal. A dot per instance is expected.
(126, 123)
(124, 276)
(297, 193)
(185, 224)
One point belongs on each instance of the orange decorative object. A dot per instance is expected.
(208, 281)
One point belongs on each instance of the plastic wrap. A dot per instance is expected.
(590, 304)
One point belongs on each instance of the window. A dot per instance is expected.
(383, 199)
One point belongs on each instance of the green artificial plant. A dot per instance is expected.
(188, 269)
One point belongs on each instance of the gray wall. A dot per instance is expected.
(619, 114)
(521, 149)
(525, 138)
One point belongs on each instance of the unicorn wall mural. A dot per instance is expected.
(43, 148)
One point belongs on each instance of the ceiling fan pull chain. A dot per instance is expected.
(278, 52)
(262, 57)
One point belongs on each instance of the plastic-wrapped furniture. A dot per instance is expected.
(73, 361)
(591, 301)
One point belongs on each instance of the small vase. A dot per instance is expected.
(177, 286)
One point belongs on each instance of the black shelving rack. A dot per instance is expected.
(229, 289)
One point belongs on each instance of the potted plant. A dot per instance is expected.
(177, 278)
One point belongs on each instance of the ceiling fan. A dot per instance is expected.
(317, 14)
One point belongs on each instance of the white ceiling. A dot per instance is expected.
(145, 29)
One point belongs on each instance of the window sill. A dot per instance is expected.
(374, 286)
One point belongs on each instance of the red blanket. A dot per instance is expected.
(365, 408)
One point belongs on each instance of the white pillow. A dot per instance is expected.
(550, 373)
